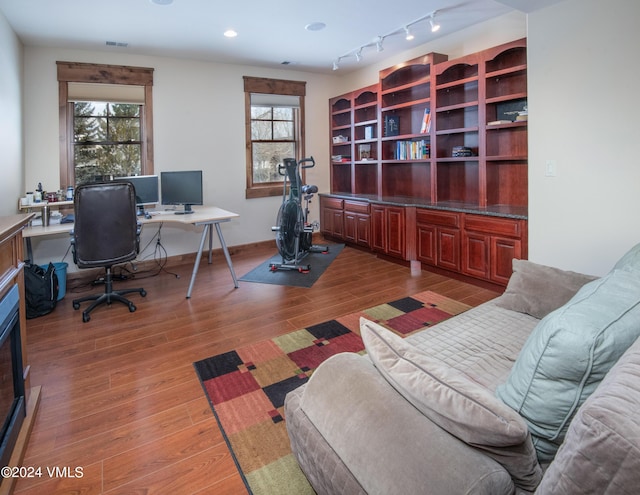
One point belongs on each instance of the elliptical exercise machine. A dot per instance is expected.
(293, 232)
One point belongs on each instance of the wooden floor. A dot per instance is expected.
(120, 399)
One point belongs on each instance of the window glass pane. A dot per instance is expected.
(283, 113)
(89, 129)
(124, 110)
(107, 140)
(263, 113)
(267, 157)
(124, 129)
(283, 130)
(261, 130)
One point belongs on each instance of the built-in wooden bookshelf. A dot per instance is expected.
(435, 134)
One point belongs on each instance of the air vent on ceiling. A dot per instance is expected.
(117, 43)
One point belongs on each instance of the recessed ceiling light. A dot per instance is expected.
(162, 2)
(315, 26)
(230, 33)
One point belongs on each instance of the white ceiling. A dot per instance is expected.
(269, 32)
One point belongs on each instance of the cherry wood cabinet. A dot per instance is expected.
(489, 245)
(438, 235)
(388, 230)
(431, 163)
(357, 222)
(332, 217)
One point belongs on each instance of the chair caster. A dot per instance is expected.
(76, 305)
(85, 317)
(132, 308)
(143, 293)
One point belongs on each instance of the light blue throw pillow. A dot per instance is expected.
(630, 261)
(569, 353)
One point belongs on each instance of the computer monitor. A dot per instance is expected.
(182, 187)
(147, 190)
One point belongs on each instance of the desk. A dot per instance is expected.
(204, 216)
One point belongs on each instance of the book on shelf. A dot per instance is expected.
(498, 122)
(426, 122)
(368, 132)
(391, 125)
(412, 150)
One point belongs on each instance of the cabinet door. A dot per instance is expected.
(395, 232)
(363, 230)
(332, 222)
(503, 251)
(475, 255)
(350, 227)
(448, 248)
(378, 229)
(427, 247)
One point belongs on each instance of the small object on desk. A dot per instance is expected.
(147, 215)
(67, 218)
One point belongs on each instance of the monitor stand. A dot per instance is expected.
(187, 210)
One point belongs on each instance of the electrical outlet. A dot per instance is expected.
(551, 168)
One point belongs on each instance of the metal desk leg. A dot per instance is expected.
(210, 246)
(206, 229)
(29, 249)
(226, 254)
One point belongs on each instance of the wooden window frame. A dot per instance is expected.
(102, 74)
(277, 87)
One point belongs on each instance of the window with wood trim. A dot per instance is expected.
(106, 118)
(274, 117)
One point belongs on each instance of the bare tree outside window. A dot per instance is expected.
(273, 138)
(274, 116)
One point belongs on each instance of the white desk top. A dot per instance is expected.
(201, 215)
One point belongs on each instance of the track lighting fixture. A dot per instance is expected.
(377, 42)
(408, 35)
(434, 25)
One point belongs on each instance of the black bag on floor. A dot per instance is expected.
(41, 289)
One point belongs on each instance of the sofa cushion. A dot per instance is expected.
(537, 289)
(601, 452)
(568, 353)
(630, 260)
(453, 401)
(383, 440)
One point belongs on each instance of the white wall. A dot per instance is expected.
(10, 118)
(583, 114)
(198, 124)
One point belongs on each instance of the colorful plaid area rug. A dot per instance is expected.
(246, 387)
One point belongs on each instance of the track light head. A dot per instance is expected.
(408, 35)
(379, 46)
(359, 55)
(434, 25)
(335, 65)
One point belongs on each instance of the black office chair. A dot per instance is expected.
(105, 233)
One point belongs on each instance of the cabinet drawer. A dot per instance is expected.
(438, 218)
(333, 203)
(498, 226)
(356, 206)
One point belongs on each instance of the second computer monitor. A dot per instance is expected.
(183, 187)
(147, 190)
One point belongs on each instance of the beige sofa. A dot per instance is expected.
(480, 403)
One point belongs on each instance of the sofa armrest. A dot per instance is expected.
(601, 452)
(384, 441)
